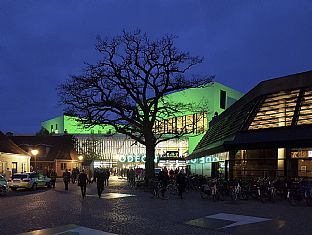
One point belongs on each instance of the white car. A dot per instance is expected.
(29, 180)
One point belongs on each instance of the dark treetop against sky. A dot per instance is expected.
(43, 42)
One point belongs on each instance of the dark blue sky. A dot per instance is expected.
(42, 43)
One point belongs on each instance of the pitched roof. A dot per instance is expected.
(50, 147)
(7, 146)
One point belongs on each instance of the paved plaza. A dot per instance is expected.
(123, 210)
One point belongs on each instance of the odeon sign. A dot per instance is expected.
(203, 160)
(135, 159)
(142, 158)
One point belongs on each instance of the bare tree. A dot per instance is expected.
(128, 87)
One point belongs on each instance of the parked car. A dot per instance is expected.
(29, 180)
(3, 185)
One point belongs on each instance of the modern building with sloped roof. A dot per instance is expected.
(12, 156)
(268, 132)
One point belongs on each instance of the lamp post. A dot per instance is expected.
(80, 158)
(34, 152)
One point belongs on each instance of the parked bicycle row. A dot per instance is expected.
(262, 189)
(295, 191)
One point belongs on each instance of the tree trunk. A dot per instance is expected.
(149, 163)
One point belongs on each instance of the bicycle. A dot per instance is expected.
(158, 190)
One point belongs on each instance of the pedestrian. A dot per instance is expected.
(8, 174)
(181, 182)
(90, 175)
(74, 175)
(163, 178)
(100, 182)
(96, 170)
(131, 178)
(82, 182)
(66, 178)
(107, 174)
(53, 178)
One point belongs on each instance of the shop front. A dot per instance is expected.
(138, 161)
(211, 166)
(301, 162)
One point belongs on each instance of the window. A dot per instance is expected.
(277, 110)
(63, 165)
(55, 126)
(222, 99)
(51, 128)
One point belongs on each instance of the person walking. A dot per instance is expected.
(100, 182)
(53, 178)
(163, 178)
(82, 182)
(8, 174)
(132, 178)
(66, 179)
(74, 175)
(181, 182)
(107, 176)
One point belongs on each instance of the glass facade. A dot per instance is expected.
(191, 124)
(284, 108)
(276, 110)
(301, 160)
(113, 150)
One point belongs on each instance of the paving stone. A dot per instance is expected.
(25, 211)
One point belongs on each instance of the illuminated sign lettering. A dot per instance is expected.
(135, 159)
(203, 160)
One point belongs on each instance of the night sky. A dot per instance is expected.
(43, 42)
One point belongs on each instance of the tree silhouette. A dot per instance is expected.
(128, 88)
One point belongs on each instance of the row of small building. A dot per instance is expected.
(265, 132)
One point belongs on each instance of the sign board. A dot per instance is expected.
(203, 160)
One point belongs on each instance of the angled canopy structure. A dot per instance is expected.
(277, 113)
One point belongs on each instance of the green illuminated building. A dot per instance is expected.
(213, 99)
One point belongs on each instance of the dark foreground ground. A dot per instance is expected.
(122, 210)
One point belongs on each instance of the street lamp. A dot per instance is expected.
(34, 152)
(80, 158)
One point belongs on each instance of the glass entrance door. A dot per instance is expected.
(14, 167)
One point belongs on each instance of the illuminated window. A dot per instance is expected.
(277, 110)
(193, 123)
(305, 114)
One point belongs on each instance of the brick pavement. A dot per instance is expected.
(25, 211)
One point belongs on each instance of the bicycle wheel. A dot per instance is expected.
(234, 195)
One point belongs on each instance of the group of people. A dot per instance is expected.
(67, 176)
(133, 175)
(180, 179)
(100, 176)
(104, 173)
